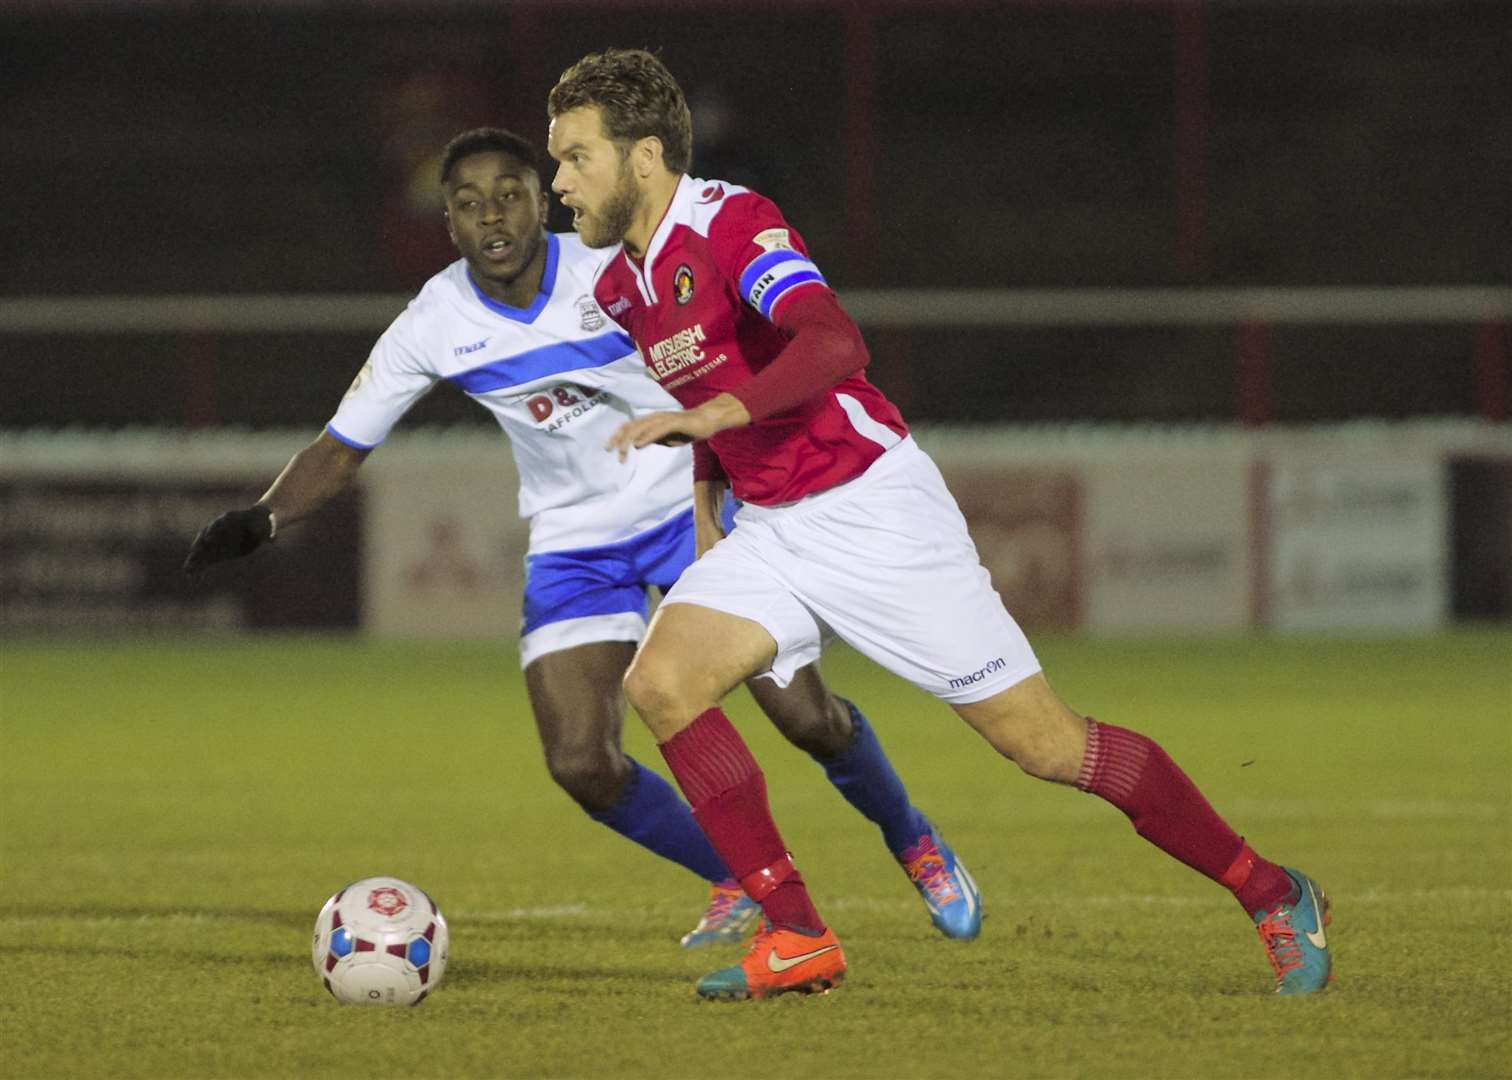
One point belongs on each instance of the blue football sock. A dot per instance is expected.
(651, 813)
(862, 773)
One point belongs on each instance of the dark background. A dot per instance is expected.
(290, 147)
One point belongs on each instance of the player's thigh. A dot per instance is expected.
(691, 658)
(1029, 723)
(889, 566)
(576, 697)
(738, 577)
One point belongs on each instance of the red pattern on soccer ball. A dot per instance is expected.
(387, 901)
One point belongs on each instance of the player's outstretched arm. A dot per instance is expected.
(311, 479)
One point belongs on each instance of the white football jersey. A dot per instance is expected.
(559, 376)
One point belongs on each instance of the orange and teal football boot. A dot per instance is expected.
(779, 961)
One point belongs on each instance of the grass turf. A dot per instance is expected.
(173, 813)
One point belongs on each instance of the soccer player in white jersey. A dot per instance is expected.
(513, 324)
(847, 530)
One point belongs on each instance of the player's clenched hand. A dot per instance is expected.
(677, 428)
(230, 536)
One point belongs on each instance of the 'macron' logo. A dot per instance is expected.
(387, 901)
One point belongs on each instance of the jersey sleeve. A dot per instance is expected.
(764, 255)
(393, 379)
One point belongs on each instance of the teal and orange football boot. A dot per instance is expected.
(1295, 938)
(779, 961)
(727, 918)
(955, 904)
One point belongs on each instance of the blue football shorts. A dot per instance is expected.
(586, 595)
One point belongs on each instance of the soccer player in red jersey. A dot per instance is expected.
(846, 530)
(600, 534)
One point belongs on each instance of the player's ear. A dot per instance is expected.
(647, 155)
(544, 208)
(449, 230)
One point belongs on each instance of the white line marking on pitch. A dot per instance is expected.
(1368, 896)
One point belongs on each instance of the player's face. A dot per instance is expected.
(593, 177)
(496, 214)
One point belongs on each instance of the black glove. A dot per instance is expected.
(230, 536)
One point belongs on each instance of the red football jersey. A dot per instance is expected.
(700, 307)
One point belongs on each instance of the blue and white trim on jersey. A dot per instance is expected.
(556, 374)
(544, 362)
(538, 305)
(772, 275)
(353, 443)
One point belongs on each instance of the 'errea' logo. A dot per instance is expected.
(979, 674)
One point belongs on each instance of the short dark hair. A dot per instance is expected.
(636, 94)
(489, 140)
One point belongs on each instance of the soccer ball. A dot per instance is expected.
(380, 941)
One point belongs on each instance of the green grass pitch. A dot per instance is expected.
(173, 813)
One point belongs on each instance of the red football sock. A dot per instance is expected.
(727, 791)
(1134, 774)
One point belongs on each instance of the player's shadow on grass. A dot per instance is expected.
(485, 973)
(563, 931)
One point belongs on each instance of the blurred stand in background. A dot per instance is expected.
(413, 123)
(1280, 220)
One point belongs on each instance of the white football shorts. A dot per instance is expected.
(883, 562)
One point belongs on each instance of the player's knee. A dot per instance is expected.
(1039, 734)
(593, 777)
(1039, 761)
(1049, 751)
(653, 689)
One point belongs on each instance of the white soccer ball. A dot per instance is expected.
(380, 941)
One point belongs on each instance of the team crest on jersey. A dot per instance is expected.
(774, 240)
(592, 317)
(682, 283)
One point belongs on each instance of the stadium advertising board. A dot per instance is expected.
(1168, 543)
(446, 557)
(1356, 544)
(1027, 525)
(96, 554)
